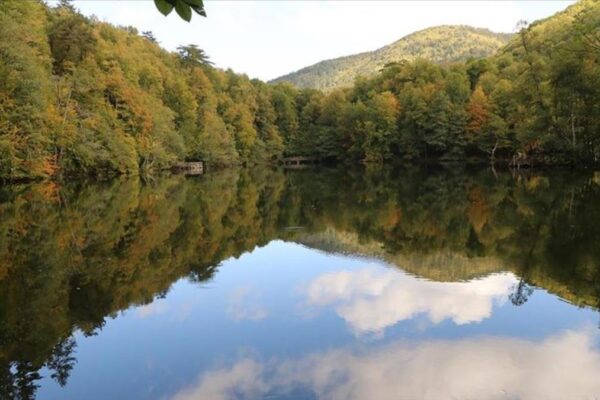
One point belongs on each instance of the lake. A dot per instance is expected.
(311, 284)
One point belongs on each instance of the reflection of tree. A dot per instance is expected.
(70, 261)
(62, 361)
(424, 219)
(69, 264)
(18, 378)
(521, 293)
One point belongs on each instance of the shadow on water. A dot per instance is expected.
(73, 255)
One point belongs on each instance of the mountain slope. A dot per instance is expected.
(442, 265)
(441, 44)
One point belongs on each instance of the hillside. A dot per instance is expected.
(442, 44)
(442, 265)
(83, 97)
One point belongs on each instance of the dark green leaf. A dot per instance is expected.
(164, 6)
(192, 3)
(199, 10)
(184, 10)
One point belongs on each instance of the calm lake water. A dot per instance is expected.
(312, 284)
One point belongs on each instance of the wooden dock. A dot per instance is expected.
(189, 168)
(298, 161)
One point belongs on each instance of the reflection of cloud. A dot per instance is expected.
(244, 377)
(242, 306)
(155, 308)
(371, 301)
(566, 366)
(177, 311)
(185, 309)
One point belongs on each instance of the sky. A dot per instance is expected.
(269, 38)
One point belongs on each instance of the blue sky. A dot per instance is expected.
(266, 39)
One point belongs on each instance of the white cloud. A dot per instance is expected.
(370, 300)
(244, 306)
(565, 366)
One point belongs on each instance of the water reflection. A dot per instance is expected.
(73, 255)
(243, 305)
(370, 300)
(564, 366)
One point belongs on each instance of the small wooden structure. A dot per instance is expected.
(298, 161)
(189, 168)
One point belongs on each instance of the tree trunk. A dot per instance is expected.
(573, 138)
(493, 153)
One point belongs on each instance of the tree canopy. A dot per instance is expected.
(82, 97)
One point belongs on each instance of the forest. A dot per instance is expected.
(82, 97)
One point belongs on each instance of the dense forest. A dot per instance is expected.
(440, 44)
(81, 97)
(74, 255)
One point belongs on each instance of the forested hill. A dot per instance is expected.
(82, 97)
(441, 44)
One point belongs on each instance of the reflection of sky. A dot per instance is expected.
(564, 366)
(285, 319)
(371, 300)
(243, 305)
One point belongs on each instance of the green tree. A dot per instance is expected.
(191, 56)
(381, 130)
(286, 114)
(26, 99)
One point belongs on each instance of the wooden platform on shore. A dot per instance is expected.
(297, 161)
(189, 168)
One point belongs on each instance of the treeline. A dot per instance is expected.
(78, 96)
